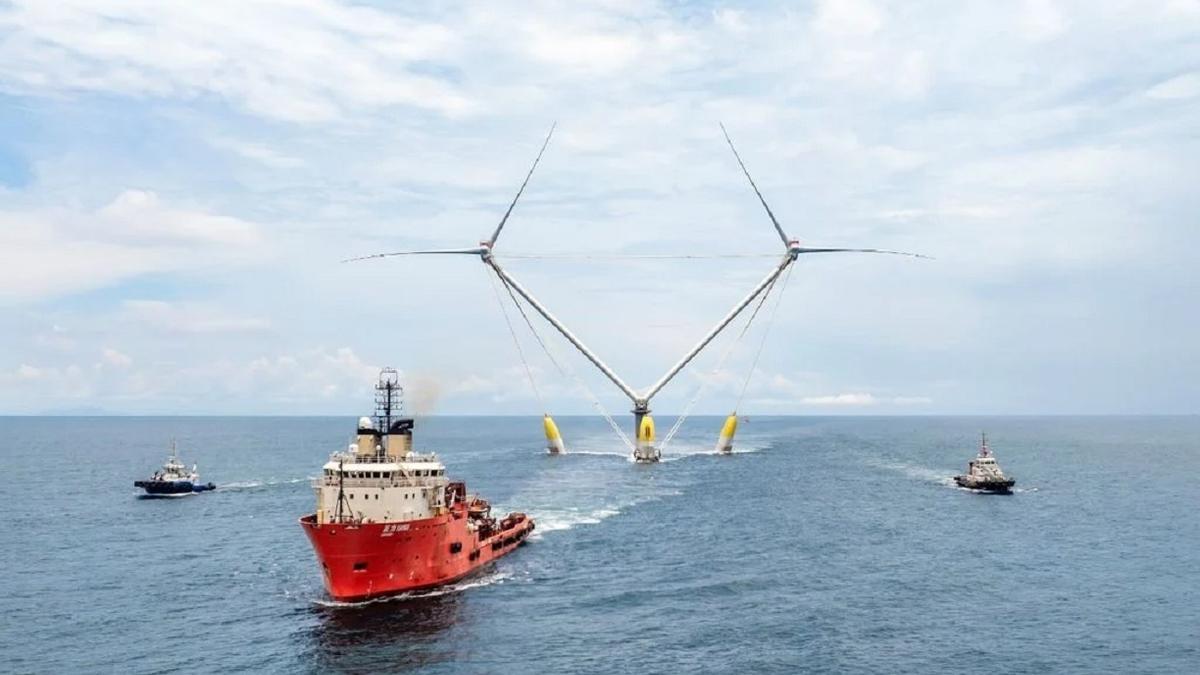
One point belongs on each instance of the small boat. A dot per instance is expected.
(984, 474)
(174, 479)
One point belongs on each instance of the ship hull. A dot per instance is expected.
(171, 488)
(1000, 487)
(371, 560)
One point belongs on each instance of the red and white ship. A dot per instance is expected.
(389, 521)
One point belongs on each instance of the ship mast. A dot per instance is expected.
(389, 402)
(341, 496)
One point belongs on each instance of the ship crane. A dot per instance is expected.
(645, 449)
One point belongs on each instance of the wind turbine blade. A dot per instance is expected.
(496, 234)
(774, 221)
(437, 251)
(860, 250)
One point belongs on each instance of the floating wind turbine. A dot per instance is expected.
(645, 449)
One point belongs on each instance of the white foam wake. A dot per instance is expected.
(559, 519)
(494, 577)
(941, 477)
(554, 520)
(680, 449)
(254, 484)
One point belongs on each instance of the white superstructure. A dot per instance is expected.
(985, 468)
(175, 470)
(352, 487)
(379, 478)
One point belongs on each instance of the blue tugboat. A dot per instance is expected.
(174, 479)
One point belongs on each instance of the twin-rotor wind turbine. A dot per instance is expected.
(645, 449)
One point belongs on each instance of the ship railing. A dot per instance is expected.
(333, 481)
(351, 458)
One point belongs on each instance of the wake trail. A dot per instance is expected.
(916, 472)
(257, 484)
(491, 578)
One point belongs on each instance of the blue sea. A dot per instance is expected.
(821, 545)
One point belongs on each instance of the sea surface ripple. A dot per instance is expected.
(823, 545)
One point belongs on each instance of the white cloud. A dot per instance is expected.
(1177, 88)
(45, 253)
(849, 399)
(731, 20)
(115, 358)
(307, 375)
(848, 18)
(166, 317)
(56, 338)
(140, 216)
(1041, 20)
(28, 372)
(260, 153)
(583, 51)
(856, 399)
(304, 381)
(296, 60)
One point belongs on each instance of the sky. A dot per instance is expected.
(179, 183)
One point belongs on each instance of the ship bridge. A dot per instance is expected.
(379, 478)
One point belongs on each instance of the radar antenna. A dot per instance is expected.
(389, 399)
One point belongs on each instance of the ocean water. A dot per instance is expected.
(822, 545)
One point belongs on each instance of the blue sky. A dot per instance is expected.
(179, 181)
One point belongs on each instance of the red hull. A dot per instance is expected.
(369, 560)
